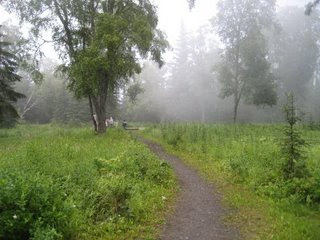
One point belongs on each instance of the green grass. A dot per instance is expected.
(67, 183)
(245, 161)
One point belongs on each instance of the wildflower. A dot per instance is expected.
(15, 216)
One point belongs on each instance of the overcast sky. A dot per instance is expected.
(171, 14)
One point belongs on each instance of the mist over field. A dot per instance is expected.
(190, 85)
(159, 119)
(189, 88)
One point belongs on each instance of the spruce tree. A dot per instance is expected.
(8, 77)
(293, 144)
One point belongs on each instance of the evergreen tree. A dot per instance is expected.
(204, 54)
(179, 88)
(8, 77)
(293, 144)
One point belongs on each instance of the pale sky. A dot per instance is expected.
(171, 14)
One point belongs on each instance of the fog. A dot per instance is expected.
(192, 92)
(193, 85)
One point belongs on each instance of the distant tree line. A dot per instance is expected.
(264, 55)
(99, 42)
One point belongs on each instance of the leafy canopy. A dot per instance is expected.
(120, 41)
(101, 41)
(245, 70)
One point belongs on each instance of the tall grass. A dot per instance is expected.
(67, 183)
(250, 156)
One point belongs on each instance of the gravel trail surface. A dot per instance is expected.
(198, 214)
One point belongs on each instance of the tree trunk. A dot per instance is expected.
(101, 114)
(28, 106)
(235, 109)
(99, 103)
(92, 114)
(237, 91)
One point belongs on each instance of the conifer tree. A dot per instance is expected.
(293, 144)
(8, 77)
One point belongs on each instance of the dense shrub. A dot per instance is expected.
(252, 154)
(60, 183)
(33, 206)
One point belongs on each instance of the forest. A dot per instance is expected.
(201, 94)
(231, 88)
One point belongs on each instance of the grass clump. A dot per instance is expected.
(67, 183)
(247, 162)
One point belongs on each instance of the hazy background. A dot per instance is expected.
(171, 14)
(186, 88)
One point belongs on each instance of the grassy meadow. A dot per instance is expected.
(68, 183)
(246, 162)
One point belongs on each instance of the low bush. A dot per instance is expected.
(70, 184)
(250, 152)
(250, 156)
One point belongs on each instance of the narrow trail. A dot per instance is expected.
(198, 213)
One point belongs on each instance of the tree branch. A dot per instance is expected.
(311, 6)
(65, 23)
(28, 108)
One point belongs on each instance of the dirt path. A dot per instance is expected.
(198, 214)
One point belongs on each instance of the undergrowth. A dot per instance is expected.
(67, 183)
(246, 161)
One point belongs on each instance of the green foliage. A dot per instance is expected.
(312, 125)
(66, 183)
(250, 152)
(119, 39)
(134, 91)
(244, 71)
(50, 101)
(249, 156)
(26, 52)
(33, 206)
(99, 41)
(8, 77)
(259, 80)
(293, 144)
